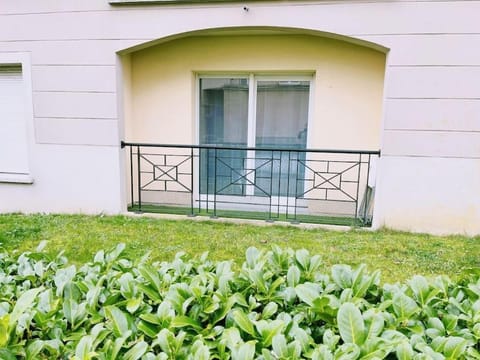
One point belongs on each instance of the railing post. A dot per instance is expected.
(358, 185)
(295, 221)
(215, 184)
(131, 175)
(191, 183)
(270, 195)
(367, 195)
(139, 178)
(200, 180)
(288, 185)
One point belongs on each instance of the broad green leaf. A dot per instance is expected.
(151, 318)
(294, 349)
(245, 351)
(70, 307)
(279, 346)
(330, 339)
(322, 352)
(293, 276)
(252, 254)
(476, 330)
(269, 310)
(24, 302)
(99, 257)
(303, 258)
(438, 344)
(326, 307)
(450, 322)
(6, 354)
(150, 292)
(94, 293)
(404, 306)
(33, 349)
(436, 328)
(243, 322)
(429, 352)
(350, 324)
(376, 348)
(267, 355)
(200, 351)
(420, 287)
(342, 276)
(185, 321)
(115, 253)
(150, 274)
(256, 276)
(348, 351)
(404, 351)
(148, 329)
(268, 329)
(63, 277)
(307, 292)
(84, 348)
(472, 353)
(315, 264)
(133, 304)
(118, 345)
(168, 342)
(454, 347)
(361, 281)
(165, 312)
(127, 285)
(374, 325)
(137, 351)
(4, 330)
(232, 337)
(118, 319)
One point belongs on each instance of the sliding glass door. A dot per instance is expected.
(281, 123)
(253, 111)
(223, 122)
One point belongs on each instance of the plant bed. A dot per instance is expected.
(281, 304)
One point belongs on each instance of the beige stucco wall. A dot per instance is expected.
(347, 85)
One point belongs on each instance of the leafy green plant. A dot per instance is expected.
(281, 304)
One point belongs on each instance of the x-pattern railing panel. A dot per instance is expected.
(167, 169)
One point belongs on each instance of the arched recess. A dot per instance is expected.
(161, 85)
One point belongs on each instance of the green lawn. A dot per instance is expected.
(398, 255)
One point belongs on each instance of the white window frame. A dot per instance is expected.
(23, 59)
(253, 78)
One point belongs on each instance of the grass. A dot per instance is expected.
(256, 215)
(398, 255)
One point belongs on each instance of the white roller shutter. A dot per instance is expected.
(13, 130)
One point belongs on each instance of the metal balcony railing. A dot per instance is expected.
(296, 185)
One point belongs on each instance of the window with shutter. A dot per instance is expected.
(13, 124)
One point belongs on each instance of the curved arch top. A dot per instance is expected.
(255, 30)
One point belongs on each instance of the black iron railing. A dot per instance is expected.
(297, 185)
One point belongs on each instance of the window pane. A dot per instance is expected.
(282, 114)
(223, 121)
(282, 117)
(223, 111)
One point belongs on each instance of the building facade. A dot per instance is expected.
(402, 77)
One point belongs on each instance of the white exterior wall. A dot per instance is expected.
(429, 174)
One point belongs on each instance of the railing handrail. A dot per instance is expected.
(222, 147)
